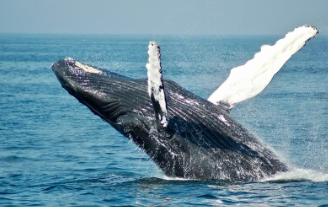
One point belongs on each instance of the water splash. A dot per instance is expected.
(295, 175)
(175, 178)
(298, 174)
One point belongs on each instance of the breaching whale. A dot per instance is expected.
(185, 135)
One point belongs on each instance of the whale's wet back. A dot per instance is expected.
(202, 140)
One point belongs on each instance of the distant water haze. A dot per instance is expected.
(183, 17)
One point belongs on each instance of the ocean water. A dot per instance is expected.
(55, 152)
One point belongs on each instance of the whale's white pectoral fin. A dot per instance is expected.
(247, 81)
(155, 83)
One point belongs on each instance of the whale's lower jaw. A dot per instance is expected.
(201, 141)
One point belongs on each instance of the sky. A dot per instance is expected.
(161, 17)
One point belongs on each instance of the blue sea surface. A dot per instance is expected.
(55, 152)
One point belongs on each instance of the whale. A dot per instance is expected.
(203, 141)
(185, 135)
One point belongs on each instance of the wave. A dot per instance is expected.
(298, 174)
(176, 178)
(295, 175)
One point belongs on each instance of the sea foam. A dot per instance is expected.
(299, 174)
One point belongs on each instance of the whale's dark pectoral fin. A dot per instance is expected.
(247, 81)
(156, 85)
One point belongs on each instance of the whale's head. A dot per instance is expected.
(122, 102)
(118, 100)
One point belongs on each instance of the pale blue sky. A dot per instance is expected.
(179, 17)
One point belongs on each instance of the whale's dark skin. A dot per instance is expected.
(202, 141)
